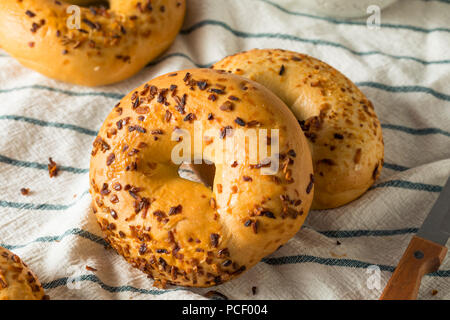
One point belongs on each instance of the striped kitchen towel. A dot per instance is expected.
(345, 253)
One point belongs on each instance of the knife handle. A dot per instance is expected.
(421, 257)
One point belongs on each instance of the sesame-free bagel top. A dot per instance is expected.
(109, 45)
(340, 123)
(17, 281)
(179, 231)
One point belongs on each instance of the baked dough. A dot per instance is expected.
(17, 281)
(179, 231)
(340, 123)
(109, 46)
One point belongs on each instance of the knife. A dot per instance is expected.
(425, 252)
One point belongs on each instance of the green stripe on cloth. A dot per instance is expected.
(93, 278)
(403, 184)
(408, 185)
(75, 231)
(40, 166)
(394, 167)
(404, 89)
(442, 1)
(43, 123)
(97, 239)
(41, 206)
(283, 36)
(376, 85)
(297, 259)
(180, 55)
(367, 233)
(111, 95)
(414, 131)
(349, 263)
(353, 23)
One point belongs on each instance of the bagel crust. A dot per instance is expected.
(343, 131)
(179, 231)
(17, 281)
(109, 46)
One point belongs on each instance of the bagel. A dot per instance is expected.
(341, 125)
(109, 46)
(179, 231)
(17, 281)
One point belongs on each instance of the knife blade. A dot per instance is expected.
(425, 252)
(436, 226)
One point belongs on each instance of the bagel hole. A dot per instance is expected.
(201, 173)
(90, 3)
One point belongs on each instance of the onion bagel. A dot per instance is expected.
(107, 46)
(17, 281)
(182, 232)
(343, 131)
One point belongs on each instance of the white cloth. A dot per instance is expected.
(404, 69)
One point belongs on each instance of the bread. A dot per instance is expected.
(341, 125)
(17, 281)
(179, 231)
(109, 46)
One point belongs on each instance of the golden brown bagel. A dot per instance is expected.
(339, 121)
(111, 44)
(179, 231)
(17, 281)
